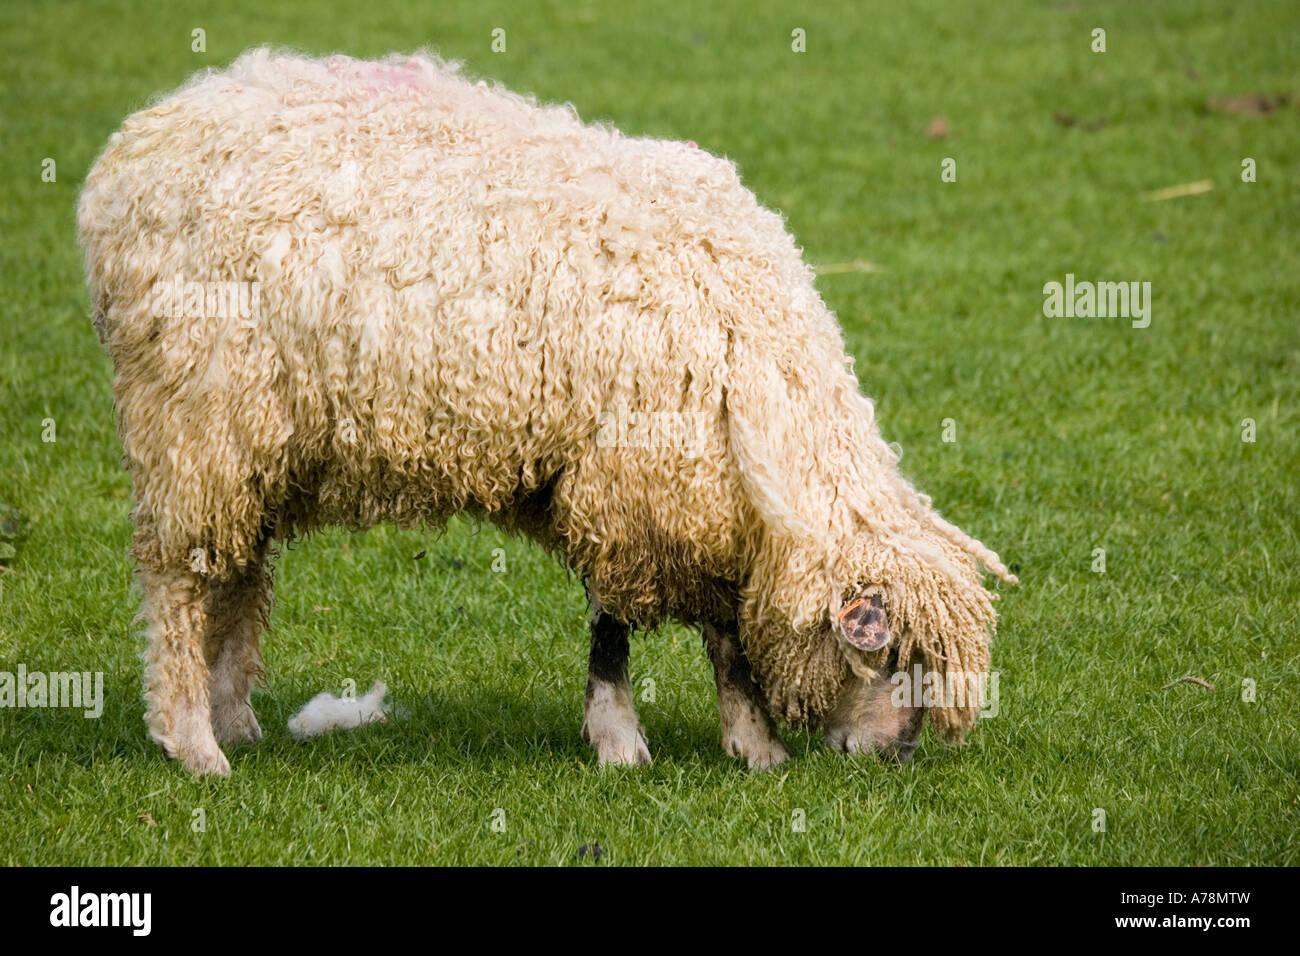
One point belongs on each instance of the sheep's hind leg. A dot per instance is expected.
(609, 721)
(237, 614)
(747, 730)
(176, 672)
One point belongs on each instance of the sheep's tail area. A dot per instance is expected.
(837, 513)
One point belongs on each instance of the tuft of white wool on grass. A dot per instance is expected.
(325, 712)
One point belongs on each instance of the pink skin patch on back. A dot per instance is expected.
(377, 77)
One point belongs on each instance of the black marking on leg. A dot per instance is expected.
(610, 649)
(730, 662)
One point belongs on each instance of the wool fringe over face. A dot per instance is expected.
(455, 285)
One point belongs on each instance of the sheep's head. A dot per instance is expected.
(868, 717)
(902, 663)
(871, 718)
(901, 634)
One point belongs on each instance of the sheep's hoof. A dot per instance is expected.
(749, 734)
(848, 740)
(204, 762)
(241, 727)
(759, 753)
(191, 741)
(771, 754)
(620, 746)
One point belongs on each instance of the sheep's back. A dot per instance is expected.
(454, 286)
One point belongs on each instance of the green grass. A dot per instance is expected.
(1073, 434)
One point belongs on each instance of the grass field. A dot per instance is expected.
(1073, 434)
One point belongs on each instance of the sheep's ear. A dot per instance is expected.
(864, 624)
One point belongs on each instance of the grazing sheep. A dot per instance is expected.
(340, 292)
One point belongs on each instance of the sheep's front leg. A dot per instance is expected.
(609, 719)
(747, 730)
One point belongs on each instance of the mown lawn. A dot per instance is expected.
(1072, 434)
